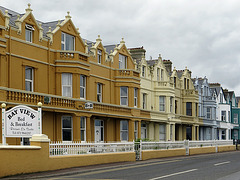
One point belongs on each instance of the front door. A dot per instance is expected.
(99, 131)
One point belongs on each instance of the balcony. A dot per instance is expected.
(31, 98)
(163, 84)
(120, 73)
(71, 55)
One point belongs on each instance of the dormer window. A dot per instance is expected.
(99, 56)
(122, 61)
(67, 42)
(29, 32)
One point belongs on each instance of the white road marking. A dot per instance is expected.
(222, 163)
(174, 174)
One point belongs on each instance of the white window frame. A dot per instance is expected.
(122, 61)
(136, 130)
(83, 129)
(235, 118)
(29, 33)
(99, 56)
(83, 86)
(63, 41)
(99, 92)
(223, 116)
(162, 133)
(162, 103)
(29, 80)
(144, 100)
(123, 130)
(68, 128)
(224, 134)
(190, 103)
(68, 86)
(123, 97)
(208, 112)
(162, 75)
(143, 71)
(135, 97)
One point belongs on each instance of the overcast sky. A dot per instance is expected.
(203, 35)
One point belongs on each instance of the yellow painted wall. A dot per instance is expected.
(36, 159)
(202, 150)
(162, 153)
(226, 148)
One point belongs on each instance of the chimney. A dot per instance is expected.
(168, 65)
(137, 53)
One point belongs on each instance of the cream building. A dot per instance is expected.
(169, 96)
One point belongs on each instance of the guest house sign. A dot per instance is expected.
(21, 121)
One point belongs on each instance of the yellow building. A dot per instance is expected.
(90, 92)
(169, 96)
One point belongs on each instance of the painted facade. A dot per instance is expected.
(89, 92)
(223, 113)
(207, 109)
(170, 97)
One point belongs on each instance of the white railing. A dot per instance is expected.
(210, 143)
(162, 145)
(78, 148)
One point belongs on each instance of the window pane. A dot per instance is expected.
(28, 73)
(123, 101)
(124, 91)
(82, 93)
(82, 122)
(66, 79)
(82, 135)
(67, 134)
(124, 125)
(67, 122)
(124, 136)
(28, 86)
(82, 80)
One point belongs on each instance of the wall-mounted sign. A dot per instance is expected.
(21, 121)
(88, 105)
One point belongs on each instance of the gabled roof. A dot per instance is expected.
(12, 15)
(46, 26)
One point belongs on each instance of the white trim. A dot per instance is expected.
(123, 96)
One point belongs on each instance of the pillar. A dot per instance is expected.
(167, 132)
(139, 129)
(156, 132)
(173, 132)
(197, 133)
(76, 128)
(193, 133)
(88, 129)
(151, 131)
(131, 130)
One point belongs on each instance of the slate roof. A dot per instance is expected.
(151, 62)
(110, 47)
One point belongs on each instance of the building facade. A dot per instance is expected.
(207, 109)
(170, 97)
(90, 92)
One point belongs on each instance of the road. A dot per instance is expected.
(221, 166)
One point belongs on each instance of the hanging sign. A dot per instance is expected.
(22, 121)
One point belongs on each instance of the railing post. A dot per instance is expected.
(186, 144)
(140, 150)
(215, 142)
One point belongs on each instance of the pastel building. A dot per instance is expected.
(170, 97)
(89, 92)
(206, 109)
(223, 112)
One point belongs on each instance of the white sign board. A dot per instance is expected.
(22, 121)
